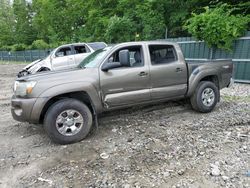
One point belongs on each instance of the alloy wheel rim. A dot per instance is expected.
(69, 122)
(208, 97)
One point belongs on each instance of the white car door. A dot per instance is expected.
(81, 52)
(63, 58)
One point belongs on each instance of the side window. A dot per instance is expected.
(64, 51)
(80, 49)
(162, 54)
(135, 53)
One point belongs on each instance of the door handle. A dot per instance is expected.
(143, 74)
(178, 70)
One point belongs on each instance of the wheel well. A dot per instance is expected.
(43, 69)
(212, 78)
(79, 95)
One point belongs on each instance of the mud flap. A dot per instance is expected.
(219, 96)
(95, 118)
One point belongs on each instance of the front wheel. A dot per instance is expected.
(68, 121)
(205, 97)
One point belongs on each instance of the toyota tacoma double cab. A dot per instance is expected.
(68, 102)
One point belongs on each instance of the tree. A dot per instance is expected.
(151, 24)
(24, 32)
(120, 29)
(6, 23)
(217, 26)
(65, 21)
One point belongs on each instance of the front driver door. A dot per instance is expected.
(126, 85)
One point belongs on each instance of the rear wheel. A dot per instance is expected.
(205, 97)
(68, 121)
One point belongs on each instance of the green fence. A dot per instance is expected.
(240, 55)
(25, 56)
(193, 51)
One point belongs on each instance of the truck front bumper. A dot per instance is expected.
(21, 108)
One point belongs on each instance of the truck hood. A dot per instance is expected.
(49, 75)
(66, 78)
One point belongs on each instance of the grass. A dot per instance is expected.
(236, 98)
(12, 62)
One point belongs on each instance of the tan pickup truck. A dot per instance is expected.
(68, 102)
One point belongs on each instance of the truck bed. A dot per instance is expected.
(223, 68)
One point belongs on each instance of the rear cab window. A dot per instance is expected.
(162, 54)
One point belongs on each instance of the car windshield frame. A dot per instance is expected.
(93, 59)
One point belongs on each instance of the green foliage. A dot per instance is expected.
(5, 48)
(66, 21)
(151, 21)
(39, 44)
(120, 30)
(24, 31)
(217, 26)
(18, 47)
(6, 23)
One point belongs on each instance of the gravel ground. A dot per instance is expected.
(164, 145)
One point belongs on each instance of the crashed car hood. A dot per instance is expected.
(35, 66)
(32, 64)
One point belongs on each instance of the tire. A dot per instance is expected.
(205, 97)
(68, 121)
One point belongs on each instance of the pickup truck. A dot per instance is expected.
(63, 57)
(68, 102)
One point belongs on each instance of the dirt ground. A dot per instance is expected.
(164, 145)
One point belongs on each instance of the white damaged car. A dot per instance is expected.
(64, 57)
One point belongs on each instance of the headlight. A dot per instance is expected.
(23, 88)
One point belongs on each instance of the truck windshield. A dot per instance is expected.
(93, 59)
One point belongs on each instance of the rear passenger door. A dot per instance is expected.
(81, 52)
(168, 72)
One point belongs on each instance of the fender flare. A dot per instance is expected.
(195, 78)
(66, 88)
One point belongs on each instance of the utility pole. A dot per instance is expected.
(166, 33)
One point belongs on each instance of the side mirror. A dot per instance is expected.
(106, 66)
(124, 58)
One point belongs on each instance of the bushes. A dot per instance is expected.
(18, 47)
(5, 48)
(39, 44)
(15, 47)
(36, 45)
(217, 26)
